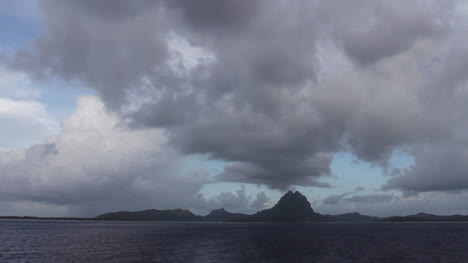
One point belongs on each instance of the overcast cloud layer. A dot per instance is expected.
(272, 87)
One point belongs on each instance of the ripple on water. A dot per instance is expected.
(78, 241)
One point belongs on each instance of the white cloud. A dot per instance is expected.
(95, 164)
(23, 123)
(23, 119)
(18, 85)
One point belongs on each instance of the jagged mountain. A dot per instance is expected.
(292, 206)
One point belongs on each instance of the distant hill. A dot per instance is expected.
(223, 215)
(152, 215)
(292, 207)
(352, 217)
(423, 217)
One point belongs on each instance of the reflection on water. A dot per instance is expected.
(78, 241)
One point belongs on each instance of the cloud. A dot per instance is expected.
(28, 208)
(16, 85)
(436, 203)
(286, 86)
(261, 202)
(97, 163)
(218, 15)
(373, 198)
(24, 122)
(231, 201)
(380, 30)
(334, 199)
(370, 198)
(436, 169)
(239, 202)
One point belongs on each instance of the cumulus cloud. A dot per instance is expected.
(24, 122)
(261, 202)
(24, 119)
(239, 201)
(96, 160)
(96, 163)
(280, 86)
(233, 202)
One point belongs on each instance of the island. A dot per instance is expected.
(292, 207)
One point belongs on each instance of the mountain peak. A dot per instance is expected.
(294, 201)
(292, 206)
(292, 193)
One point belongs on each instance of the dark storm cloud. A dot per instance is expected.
(276, 87)
(378, 41)
(437, 169)
(216, 15)
(113, 9)
(250, 173)
(104, 43)
(378, 30)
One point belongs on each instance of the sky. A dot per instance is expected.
(139, 104)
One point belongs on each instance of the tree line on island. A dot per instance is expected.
(292, 207)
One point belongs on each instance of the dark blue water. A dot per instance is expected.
(78, 241)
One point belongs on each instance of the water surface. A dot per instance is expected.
(89, 241)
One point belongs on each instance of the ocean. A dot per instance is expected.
(91, 241)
